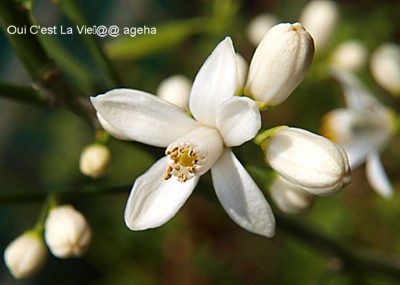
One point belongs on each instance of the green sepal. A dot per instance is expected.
(263, 138)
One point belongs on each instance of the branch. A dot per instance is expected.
(352, 258)
(23, 94)
(44, 73)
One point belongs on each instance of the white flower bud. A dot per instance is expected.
(26, 255)
(289, 198)
(385, 67)
(279, 64)
(259, 26)
(320, 18)
(350, 55)
(308, 161)
(242, 68)
(67, 233)
(175, 90)
(95, 160)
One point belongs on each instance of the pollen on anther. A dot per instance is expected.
(183, 162)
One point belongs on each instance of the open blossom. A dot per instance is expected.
(26, 255)
(363, 129)
(193, 146)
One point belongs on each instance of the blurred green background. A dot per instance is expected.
(40, 148)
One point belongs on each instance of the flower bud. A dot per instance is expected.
(279, 64)
(259, 26)
(67, 233)
(175, 90)
(320, 18)
(26, 255)
(95, 160)
(350, 55)
(385, 67)
(289, 198)
(308, 161)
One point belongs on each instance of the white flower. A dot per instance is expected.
(242, 69)
(289, 198)
(193, 146)
(306, 160)
(279, 64)
(320, 18)
(259, 26)
(350, 55)
(385, 67)
(26, 255)
(362, 129)
(176, 90)
(67, 233)
(95, 160)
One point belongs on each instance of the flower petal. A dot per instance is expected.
(238, 120)
(215, 82)
(357, 152)
(241, 197)
(356, 95)
(153, 201)
(377, 177)
(142, 117)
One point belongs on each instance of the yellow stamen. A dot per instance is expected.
(184, 161)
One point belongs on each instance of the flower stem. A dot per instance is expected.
(23, 94)
(82, 192)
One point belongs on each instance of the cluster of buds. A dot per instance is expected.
(307, 164)
(66, 233)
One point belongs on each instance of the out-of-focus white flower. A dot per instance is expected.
(259, 26)
(385, 67)
(175, 90)
(351, 55)
(279, 64)
(363, 129)
(67, 232)
(26, 255)
(320, 18)
(289, 198)
(308, 161)
(193, 146)
(95, 160)
(242, 68)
